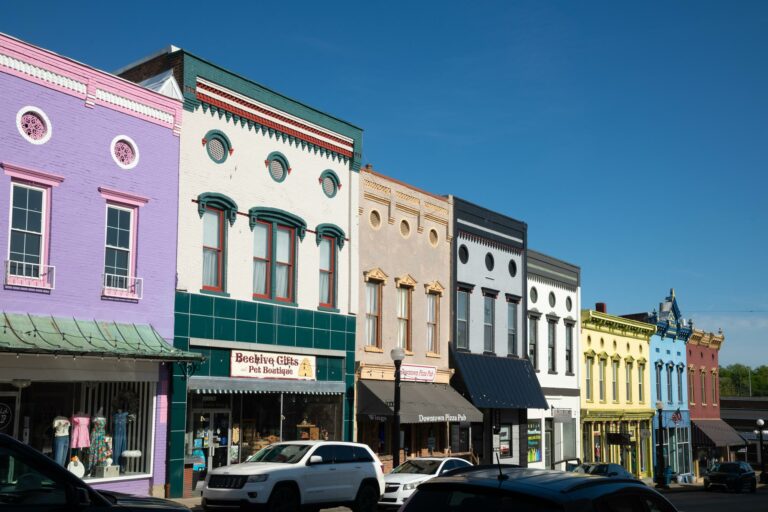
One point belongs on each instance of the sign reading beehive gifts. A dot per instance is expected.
(272, 365)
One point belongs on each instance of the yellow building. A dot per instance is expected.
(616, 406)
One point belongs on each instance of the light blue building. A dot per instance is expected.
(669, 377)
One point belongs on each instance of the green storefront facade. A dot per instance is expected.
(205, 396)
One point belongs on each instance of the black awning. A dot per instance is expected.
(715, 432)
(420, 402)
(494, 382)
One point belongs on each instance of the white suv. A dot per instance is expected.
(286, 476)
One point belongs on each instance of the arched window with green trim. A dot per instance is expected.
(329, 182)
(277, 166)
(214, 209)
(330, 240)
(276, 233)
(217, 145)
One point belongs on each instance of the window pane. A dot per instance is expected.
(281, 281)
(325, 287)
(20, 197)
(211, 229)
(34, 221)
(259, 277)
(35, 200)
(261, 240)
(211, 268)
(325, 254)
(431, 308)
(283, 246)
(462, 306)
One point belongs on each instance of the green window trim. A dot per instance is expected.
(218, 201)
(332, 231)
(218, 134)
(275, 215)
(328, 173)
(276, 155)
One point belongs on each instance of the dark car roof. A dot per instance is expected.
(555, 486)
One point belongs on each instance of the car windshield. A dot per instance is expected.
(287, 453)
(421, 467)
(727, 468)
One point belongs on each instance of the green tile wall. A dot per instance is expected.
(220, 318)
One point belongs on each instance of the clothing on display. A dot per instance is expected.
(80, 436)
(100, 451)
(119, 422)
(61, 426)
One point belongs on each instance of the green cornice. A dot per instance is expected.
(331, 230)
(220, 201)
(195, 66)
(258, 213)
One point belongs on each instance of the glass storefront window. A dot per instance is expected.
(534, 441)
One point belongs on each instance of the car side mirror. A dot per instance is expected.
(83, 496)
(315, 459)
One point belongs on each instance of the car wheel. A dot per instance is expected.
(283, 499)
(367, 498)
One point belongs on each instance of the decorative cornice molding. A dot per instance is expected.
(31, 175)
(331, 230)
(123, 197)
(260, 213)
(434, 287)
(220, 201)
(604, 322)
(489, 243)
(406, 280)
(375, 274)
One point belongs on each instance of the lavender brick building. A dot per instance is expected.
(88, 213)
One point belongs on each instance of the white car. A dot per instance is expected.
(403, 480)
(285, 477)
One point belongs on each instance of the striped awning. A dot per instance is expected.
(229, 385)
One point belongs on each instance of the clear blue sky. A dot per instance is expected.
(632, 137)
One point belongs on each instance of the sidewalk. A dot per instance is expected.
(189, 502)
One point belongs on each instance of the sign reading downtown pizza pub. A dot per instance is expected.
(271, 365)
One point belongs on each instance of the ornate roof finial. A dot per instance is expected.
(672, 293)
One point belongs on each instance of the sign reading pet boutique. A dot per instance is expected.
(272, 365)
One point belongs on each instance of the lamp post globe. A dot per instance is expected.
(397, 354)
(761, 453)
(660, 480)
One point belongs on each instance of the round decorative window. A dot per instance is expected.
(552, 299)
(217, 149)
(33, 125)
(463, 254)
(534, 295)
(433, 239)
(568, 303)
(329, 186)
(125, 153)
(405, 228)
(277, 169)
(512, 268)
(489, 261)
(375, 219)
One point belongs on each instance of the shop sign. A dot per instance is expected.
(534, 441)
(561, 415)
(418, 373)
(442, 418)
(271, 365)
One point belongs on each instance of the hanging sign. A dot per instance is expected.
(272, 365)
(418, 373)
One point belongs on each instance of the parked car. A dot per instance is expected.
(402, 481)
(31, 481)
(501, 488)
(290, 475)
(603, 469)
(734, 476)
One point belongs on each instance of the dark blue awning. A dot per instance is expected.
(492, 382)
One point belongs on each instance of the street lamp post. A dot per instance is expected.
(397, 354)
(660, 482)
(763, 476)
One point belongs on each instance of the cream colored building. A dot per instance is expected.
(405, 250)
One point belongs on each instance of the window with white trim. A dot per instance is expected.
(680, 384)
(28, 232)
(658, 382)
(373, 313)
(640, 382)
(615, 380)
(489, 317)
(551, 346)
(588, 377)
(669, 384)
(628, 370)
(433, 313)
(404, 317)
(601, 376)
(569, 349)
(533, 337)
(512, 328)
(462, 318)
(119, 251)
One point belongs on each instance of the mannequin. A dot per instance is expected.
(61, 426)
(80, 437)
(100, 451)
(119, 421)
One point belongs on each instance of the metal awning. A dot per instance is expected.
(32, 334)
(420, 402)
(226, 385)
(715, 432)
(498, 382)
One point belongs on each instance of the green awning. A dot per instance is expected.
(32, 334)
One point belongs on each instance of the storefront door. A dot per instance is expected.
(9, 413)
(212, 431)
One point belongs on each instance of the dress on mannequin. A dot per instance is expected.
(119, 421)
(100, 451)
(80, 437)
